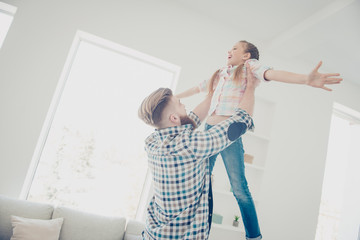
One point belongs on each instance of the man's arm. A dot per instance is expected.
(205, 144)
(248, 101)
(202, 109)
(314, 78)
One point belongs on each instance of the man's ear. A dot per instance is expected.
(246, 56)
(174, 118)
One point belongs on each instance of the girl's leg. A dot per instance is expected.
(233, 157)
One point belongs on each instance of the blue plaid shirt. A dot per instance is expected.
(178, 159)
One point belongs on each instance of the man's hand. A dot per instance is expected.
(319, 80)
(252, 81)
(248, 100)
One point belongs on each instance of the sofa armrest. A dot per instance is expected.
(21, 208)
(133, 230)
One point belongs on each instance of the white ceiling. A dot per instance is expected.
(304, 30)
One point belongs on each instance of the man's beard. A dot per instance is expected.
(186, 120)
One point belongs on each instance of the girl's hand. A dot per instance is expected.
(319, 80)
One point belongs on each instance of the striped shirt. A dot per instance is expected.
(178, 159)
(228, 93)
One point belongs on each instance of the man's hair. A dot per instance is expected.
(152, 107)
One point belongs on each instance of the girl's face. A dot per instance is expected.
(237, 54)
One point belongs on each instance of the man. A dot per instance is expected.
(181, 207)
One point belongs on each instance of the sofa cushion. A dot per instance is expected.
(80, 225)
(22, 208)
(35, 229)
(134, 230)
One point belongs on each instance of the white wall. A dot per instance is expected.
(38, 42)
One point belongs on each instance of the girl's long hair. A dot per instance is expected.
(249, 48)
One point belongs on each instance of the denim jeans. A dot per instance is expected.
(233, 157)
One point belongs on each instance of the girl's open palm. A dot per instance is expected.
(319, 80)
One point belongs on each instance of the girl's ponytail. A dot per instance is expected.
(213, 78)
(238, 72)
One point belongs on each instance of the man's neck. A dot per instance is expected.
(168, 125)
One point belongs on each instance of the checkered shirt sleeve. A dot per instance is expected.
(194, 117)
(207, 143)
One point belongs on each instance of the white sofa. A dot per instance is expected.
(77, 225)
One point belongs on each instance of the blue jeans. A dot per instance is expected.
(233, 157)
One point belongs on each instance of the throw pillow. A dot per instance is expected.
(35, 229)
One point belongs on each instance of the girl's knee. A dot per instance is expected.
(243, 196)
(241, 191)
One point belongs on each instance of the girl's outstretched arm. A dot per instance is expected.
(313, 79)
(187, 93)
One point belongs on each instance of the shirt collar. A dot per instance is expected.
(229, 69)
(172, 131)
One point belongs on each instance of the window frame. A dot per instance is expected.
(82, 36)
(8, 10)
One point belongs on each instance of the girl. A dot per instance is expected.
(227, 86)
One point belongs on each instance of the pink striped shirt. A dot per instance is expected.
(227, 92)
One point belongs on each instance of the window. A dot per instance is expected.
(339, 215)
(90, 153)
(7, 13)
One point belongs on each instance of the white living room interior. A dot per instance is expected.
(177, 44)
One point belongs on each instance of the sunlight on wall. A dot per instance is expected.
(337, 186)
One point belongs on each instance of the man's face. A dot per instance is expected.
(178, 108)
